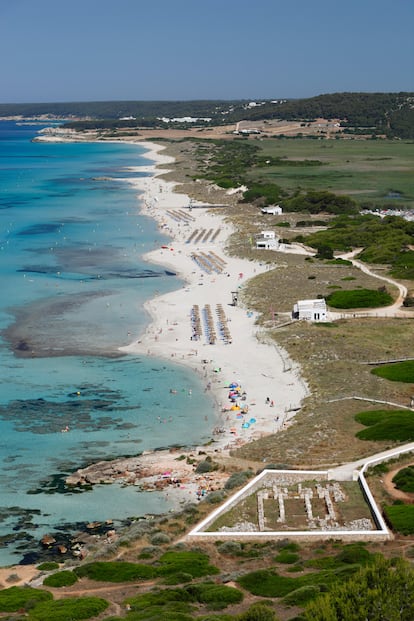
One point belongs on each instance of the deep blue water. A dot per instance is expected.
(72, 288)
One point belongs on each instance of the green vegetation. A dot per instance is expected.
(395, 425)
(383, 590)
(385, 240)
(115, 571)
(70, 608)
(61, 579)
(359, 298)
(320, 201)
(16, 598)
(194, 564)
(374, 174)
(404, 480)
(171, 601)
(268, 583)
(258, 612)
(367, 113)
(287, 558)
(400, 518)
(48, 566)
(216, 596)
(160, 604)
(237, 479)
(397, 371)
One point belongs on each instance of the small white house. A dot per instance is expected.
(267, 235)
(310, 310)
(267, 240)
(273, 210)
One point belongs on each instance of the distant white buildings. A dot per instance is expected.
(185, 119)
(274, 210)
(310, 310)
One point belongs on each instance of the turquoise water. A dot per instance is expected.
(73, 284)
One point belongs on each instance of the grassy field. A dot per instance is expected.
(364, 169)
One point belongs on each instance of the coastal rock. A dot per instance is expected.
(47, 541)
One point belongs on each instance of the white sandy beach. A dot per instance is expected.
(261, 369)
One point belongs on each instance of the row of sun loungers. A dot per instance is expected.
(223, 325)
(180, 216)
(209, 262)
(209, 324)
(203, 235)
(196, 329)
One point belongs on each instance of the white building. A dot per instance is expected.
(310, 310)
(274, 210)
(267, 240)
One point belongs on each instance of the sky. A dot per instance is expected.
(97, 50)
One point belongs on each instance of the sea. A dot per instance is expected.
(73, 283)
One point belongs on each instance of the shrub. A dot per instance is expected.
(216, 596)
(258, 612)
(230, 547)
(404, 479)
(396, 425)
(396, 372)
(168, 605)
(301, 596)
(287, 557)
(359, 298)
(401, 518)
(237, 479)
(159, 539)
(115, 571)
(354, 553)
(194, 563)
(206, 466)
(70, 608)
(48, 566)
(14, 598)
(216, 497)
(61, 579)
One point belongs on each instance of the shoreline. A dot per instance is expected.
(273, 386)
(245, 357)
(262, 370)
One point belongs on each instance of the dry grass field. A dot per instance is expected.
(331, 356)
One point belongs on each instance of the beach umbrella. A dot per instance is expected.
(235, 407)
(245, 425)
(252, 420)
(233, 385)
(233, 430)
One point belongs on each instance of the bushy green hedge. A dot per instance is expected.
(69, 608)
(359, 298)
(216, 596)
(190, 562)
(396, 425)
(15, 598)
(396, 372)
(115, 571)
(48, 566)
(162, 604)
(61, 579)
(404, 479)
(268, 583)
(301, 596)
(401, 518)
(287, 558)
(237, 479)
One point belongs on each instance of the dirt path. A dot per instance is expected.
(394, 310)
(392, 490)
